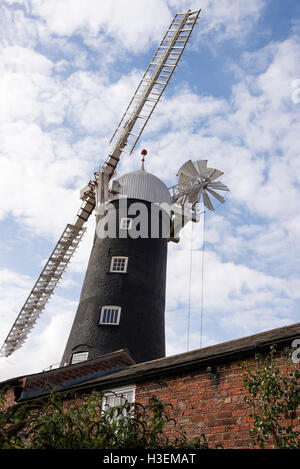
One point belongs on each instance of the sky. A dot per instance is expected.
(68, 70)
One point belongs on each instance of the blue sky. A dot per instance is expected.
(68, 70)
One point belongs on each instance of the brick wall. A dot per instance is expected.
(208, 401)
(204, 402)
(9, 398)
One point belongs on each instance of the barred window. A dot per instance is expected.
(119, 264)
(110, 315)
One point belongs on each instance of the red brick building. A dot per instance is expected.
(204, 386)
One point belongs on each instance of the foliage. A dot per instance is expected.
(274, 397)
(59, 422)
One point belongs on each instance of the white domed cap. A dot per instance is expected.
(142, 186)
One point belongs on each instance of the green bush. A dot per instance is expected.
(274, 397)
(59, 422)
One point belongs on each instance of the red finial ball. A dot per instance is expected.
(144, 152)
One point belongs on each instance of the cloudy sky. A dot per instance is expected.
(68, 70)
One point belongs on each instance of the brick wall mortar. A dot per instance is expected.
(203, 404)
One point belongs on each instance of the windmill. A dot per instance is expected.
(124, 276)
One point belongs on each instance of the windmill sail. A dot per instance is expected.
(50, 276)
(152, 85)
(43, 289)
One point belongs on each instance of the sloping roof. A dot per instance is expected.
(66, 377)
(142, 185)
(119, 368)
(220, 353)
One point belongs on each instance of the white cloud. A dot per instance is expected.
(186, 110)
(95, 105)
(17, 28)
(110, 18)
(225, 19)
(228, 285)
(237, 300)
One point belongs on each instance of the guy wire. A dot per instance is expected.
(202, 283)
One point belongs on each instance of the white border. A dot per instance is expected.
(110, 323)
(79, 353)
(118, 392)
(119, 271)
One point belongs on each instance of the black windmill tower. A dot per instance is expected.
(122, 302)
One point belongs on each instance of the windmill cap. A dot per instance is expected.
(142, 185)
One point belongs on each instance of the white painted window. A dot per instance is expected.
(110, 315)
(119, 264)
(118, 396)
(79, 357)
(126, 223)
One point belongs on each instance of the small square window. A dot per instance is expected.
(110, 315)
(126, 223)
(119, 264)
(79, 357)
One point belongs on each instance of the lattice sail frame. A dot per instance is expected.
(152, 86)
(43, 289)
(124, 139)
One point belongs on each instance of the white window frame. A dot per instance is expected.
(116, 271)
(83, 354)
(118, 308)
(124, 221)
(113, 397)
